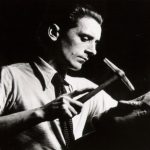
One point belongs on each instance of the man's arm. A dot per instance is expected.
(62, 107)
(14, 123)
(127, 114)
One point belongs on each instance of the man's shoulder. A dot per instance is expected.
(15, 68)
(19, 66)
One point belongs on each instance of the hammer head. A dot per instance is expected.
(120, 73)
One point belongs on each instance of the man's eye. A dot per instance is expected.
(84, 38)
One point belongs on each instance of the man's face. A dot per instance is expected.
(79, 43)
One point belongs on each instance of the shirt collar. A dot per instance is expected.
(44, 72)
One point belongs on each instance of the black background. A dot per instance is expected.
(125, 40)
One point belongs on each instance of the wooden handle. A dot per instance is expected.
(98, 89)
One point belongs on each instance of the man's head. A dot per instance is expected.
(75, 33)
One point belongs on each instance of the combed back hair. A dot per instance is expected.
(66, 17)
(84, 11)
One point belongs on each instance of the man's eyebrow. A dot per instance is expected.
(85, 34)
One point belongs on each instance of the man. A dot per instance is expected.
(31, 111)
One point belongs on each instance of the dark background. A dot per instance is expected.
(125, 40)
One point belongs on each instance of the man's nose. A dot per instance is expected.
(92, 48)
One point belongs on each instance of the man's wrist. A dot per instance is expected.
(39, 114)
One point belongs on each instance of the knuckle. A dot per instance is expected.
(63, 101)
(68, 100)
(64, 106)
(65, 111)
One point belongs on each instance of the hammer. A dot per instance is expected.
(119, 74)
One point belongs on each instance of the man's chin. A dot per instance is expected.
(76, 68)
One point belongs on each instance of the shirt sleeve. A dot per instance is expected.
(6, 88)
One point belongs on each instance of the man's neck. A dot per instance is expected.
(60, 68)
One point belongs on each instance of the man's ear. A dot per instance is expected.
(53, 32)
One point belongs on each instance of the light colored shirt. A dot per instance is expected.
(26, 86)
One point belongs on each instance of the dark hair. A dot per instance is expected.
(69, 18)
(65, 17)
(80, 11)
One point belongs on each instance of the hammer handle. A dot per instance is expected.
(98, 89)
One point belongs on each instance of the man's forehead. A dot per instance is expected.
(89, 26)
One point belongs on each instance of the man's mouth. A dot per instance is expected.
(84, 59)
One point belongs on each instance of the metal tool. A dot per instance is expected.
(119, 74)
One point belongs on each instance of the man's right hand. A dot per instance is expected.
(64, 106)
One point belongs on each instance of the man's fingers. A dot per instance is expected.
(69, 107)
(132, 104)
(66, 112)
(80, 91)
(72, 102)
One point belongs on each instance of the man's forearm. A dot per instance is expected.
(12, 124)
